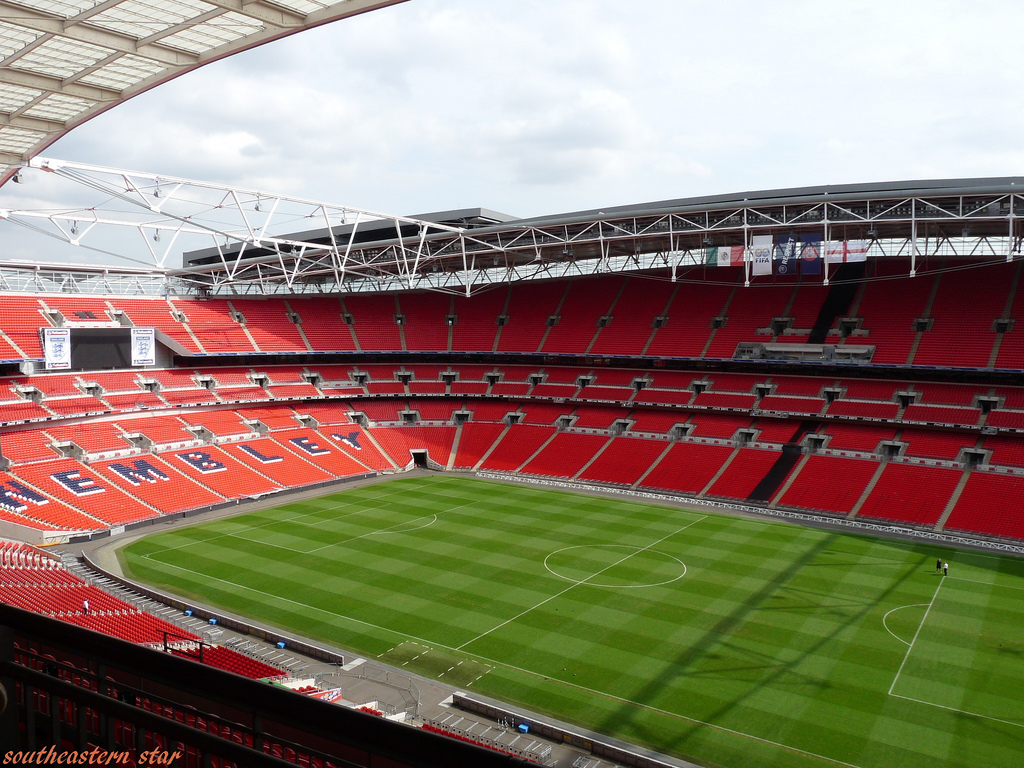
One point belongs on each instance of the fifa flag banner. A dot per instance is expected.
(57, 348)
(785, 256)
(143, 346)
(846, 251)
(761, 254)
(724, 256)
(810, 254)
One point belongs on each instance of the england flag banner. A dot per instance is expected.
(761, 254)
(57, 348)
(143, 346)
(841, 251)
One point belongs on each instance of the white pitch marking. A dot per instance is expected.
(614, 586)
(532, 673)
(913, 640)
(576, 584)
(915, 605)
(954, 709)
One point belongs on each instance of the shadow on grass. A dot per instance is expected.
(779, 673)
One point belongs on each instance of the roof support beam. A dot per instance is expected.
(87, 33)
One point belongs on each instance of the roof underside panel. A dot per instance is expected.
(64, 61)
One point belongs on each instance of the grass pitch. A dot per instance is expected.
(726, 640)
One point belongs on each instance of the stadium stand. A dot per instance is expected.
(474, 442)
(687, 467)
(829, 484)
(986, 506)
(909, 493)
(603, 419)
(624, 461)
(565, 455)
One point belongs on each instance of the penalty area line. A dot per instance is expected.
(913, 640)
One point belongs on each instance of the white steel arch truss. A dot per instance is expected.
(335, 248)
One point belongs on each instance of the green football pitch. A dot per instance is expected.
(726, 640)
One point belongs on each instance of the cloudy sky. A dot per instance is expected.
(546, 106)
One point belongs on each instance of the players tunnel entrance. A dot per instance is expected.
(419, 458)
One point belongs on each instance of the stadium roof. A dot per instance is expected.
(65, 61)
(958, 219)
(963, 222)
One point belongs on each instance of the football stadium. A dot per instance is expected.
(729, 480)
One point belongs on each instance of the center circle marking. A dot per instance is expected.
(553, 569)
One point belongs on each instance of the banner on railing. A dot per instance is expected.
(761, 254)
(810, 254)
(847, 251)
(57, 348)
(724, 256)
(143, 346)
(785, 256)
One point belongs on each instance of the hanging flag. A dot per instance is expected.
(785, 256)
(57, 348)
(810, 254)
(724, 256)
(761, 254)
(857, 250)
(143, 346)
(730, 256)
(842, 251)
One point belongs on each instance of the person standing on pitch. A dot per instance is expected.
(945, 569)
(938, 565)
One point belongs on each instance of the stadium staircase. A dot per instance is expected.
(840, 297)
(765, 490)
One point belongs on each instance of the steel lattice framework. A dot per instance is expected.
(965, 220)
(64, 61)
(335, 248)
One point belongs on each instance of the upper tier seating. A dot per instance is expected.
(584, 304)
(962, 332)
(323, 323)
(632, 318)
(426, 324)
(476, 320)
(269, 324)
(529, 307)
(889, 309)
(374, 322)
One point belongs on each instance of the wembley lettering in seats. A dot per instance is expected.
(77, 483)
(259, 456)
(308, 446)
(202, 461)
(15, 497)
(140, 471)
(351, 440)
